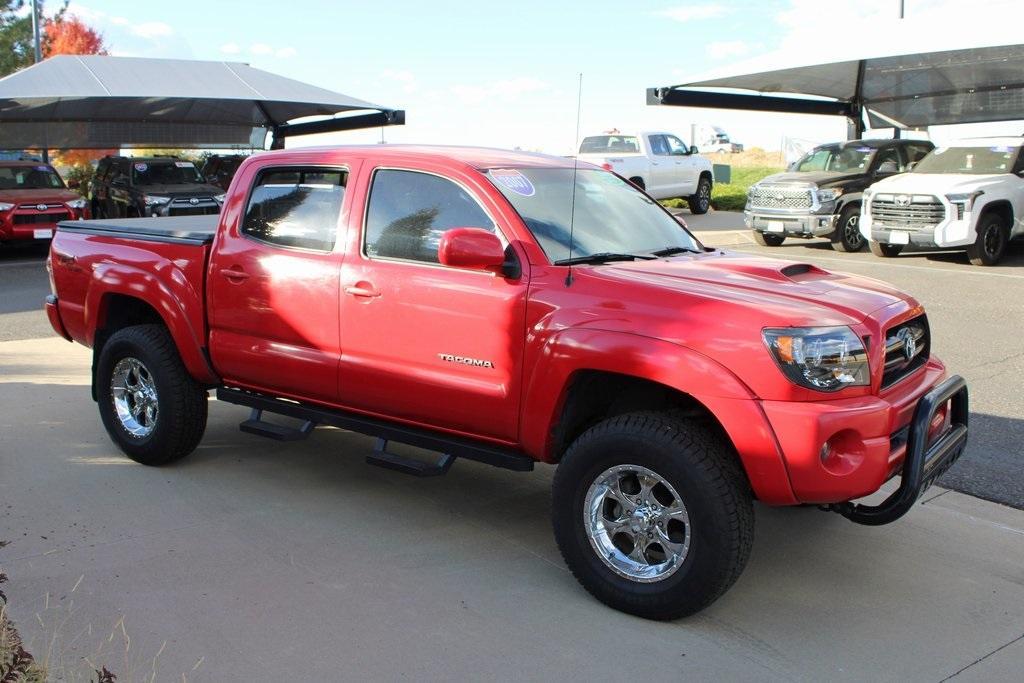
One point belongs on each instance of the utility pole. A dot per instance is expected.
(39, 55)
(901, 8)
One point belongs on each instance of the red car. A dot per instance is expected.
(33, 198)
(511, 308)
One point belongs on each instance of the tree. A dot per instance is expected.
(69, 35)
(16, 50)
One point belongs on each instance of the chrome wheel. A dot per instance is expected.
(851, 233)
(704, 195)
(637, 523)
(133, 392)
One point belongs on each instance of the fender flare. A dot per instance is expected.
(680, 368)
(127, 280)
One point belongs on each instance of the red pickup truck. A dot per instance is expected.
(511, 308)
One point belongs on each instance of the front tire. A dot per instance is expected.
(768, 239)
(885, 250)
(150, 406)
(652, 514)
(700, 202)
(847, 237)
(990, 246)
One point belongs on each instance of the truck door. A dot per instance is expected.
(272, 285)
(427, 343)
(663, 169)
(685, 171)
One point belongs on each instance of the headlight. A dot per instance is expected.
(4, 206)
(829, 194)
(965, 198)
(76, 204)
(220, 198)
(821, 358)
(153, 200)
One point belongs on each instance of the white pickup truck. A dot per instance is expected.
(967, 195)
(656, 162)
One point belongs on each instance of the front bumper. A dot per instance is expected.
(791, 224)
(866, 437)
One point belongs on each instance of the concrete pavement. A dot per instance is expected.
(253, 560)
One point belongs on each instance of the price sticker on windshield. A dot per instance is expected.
(515, 181)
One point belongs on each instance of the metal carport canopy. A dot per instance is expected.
(903, 91)
(101, 102)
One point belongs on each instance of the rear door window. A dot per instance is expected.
(296, 207)
(409, 211)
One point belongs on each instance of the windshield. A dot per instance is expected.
(848, 158)
(601, 144)
(165, 173)
(611, 216)
(969, 160)
(29, 178)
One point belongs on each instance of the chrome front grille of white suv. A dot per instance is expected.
(907, 212)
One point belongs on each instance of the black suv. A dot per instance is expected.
(820, 194)
(219, 169)
(131, 187)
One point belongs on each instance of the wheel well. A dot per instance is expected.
(706, 174)
(118, 311)
(638, 181)
(593, 396)
(1001, 208)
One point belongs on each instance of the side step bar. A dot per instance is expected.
(381, 457)
(450, 446)
(256, 425)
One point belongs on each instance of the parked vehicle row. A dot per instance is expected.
(889, 194)
(658, 163)
(517, 308)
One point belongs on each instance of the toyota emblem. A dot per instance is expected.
(42, 207)
(902, 200)
(194, 200)
(909, 343)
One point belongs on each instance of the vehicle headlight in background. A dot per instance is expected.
(821, 358)
(153, 200)
(76, 204)
(4, 206)
(220, 198)
(830, 194)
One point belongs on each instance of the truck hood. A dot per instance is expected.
(819, 178)
(40, 196)
(186, 190)
(938, 183)
(777, 292)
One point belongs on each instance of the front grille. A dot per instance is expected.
(908, 212)
(36, 206)
(777, 197)
(193, 210)
(899, 361)
(39, 218)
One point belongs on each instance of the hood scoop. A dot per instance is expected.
(793, 272)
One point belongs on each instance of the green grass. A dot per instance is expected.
(730, 196)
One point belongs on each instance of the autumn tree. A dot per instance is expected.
(69, 35)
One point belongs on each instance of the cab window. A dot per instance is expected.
(409, 211)
(659, 145)
(676, 146)
(888, 161)
(296, 207)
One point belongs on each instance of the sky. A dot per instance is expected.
(507, 74)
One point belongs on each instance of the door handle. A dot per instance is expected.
(363, 289)
(234, 274)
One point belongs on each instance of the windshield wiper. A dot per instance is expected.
(604, 257)
(672, 251)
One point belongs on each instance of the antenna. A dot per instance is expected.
(575, 166)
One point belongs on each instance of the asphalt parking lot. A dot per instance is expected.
(252, 560)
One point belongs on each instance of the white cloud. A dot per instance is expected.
(285, 52)
(402, 76)
(724, 49)
(260, 49)
(151, 30)
(692, 12)
(230, 48)
(507, 90)
(120, 21)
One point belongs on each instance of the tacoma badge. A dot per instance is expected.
(447, 357)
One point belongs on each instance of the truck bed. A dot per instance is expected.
(182, 229)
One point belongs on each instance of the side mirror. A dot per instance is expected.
(472, 248)
(73, 184)
(693, 149)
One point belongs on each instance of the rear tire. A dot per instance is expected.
(700, 202)
(885, 250)
(768, 240)
(847, 237)
(990, 246)
(150, 406)
(691, 475)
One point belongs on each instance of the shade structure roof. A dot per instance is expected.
(93, 101)
(903, 91)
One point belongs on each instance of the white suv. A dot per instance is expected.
(969, 195)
